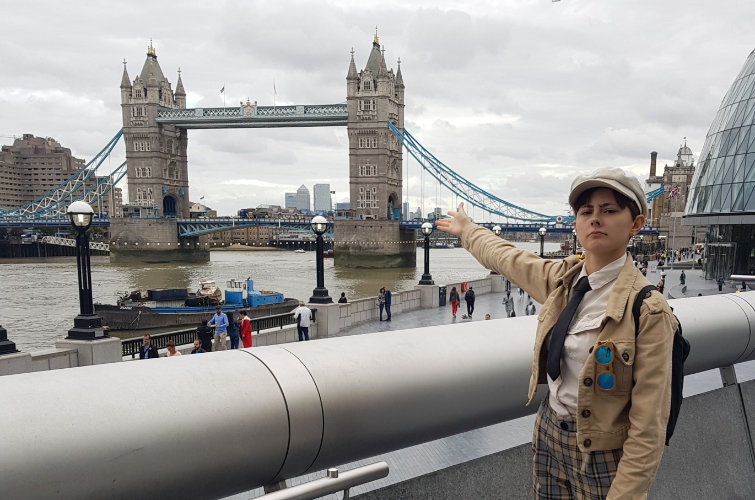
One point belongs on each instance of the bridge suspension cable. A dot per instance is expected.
(53, 203)
(465, 189)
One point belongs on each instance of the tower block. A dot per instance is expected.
(156, 158)
(373, 238)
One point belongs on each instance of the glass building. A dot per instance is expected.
(722, 193)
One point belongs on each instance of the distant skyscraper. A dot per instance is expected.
(302, 198)
(437, 212)
(405, 211)
(322, 198)
(290, 200)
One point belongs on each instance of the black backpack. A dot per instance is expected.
(678, 357)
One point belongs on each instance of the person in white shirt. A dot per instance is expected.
(303, 316)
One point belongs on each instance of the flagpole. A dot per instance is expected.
(223, 95)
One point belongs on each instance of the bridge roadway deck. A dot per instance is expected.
(429, 457)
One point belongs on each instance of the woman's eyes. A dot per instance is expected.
(607, 210)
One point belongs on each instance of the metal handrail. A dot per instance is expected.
(334, 482)
(279, 412)
(130, 347)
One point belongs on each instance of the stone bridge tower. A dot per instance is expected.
(374, 96)
(155, 153)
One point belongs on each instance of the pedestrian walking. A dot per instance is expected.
(171, 347)
(530, 309)
(600, 431)
(521, 292)
(720, 281)
(387, 303)
(303, 316)
(197, 347)
(220, 322)
(508, 304)
(660, 286)
(233, 330)
(381, 302)
(453, 297)
(342, 300)
(682, 278)
(148, 351)
(245, 331)
(469, 299)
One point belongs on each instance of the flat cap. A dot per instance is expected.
(612, 178)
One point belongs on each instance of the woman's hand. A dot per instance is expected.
(456, 224)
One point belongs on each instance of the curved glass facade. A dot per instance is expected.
(724, 181)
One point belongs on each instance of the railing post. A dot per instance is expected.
(728, 375)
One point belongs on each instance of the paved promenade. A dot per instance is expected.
(489, 303)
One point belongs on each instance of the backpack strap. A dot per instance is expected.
(637, 305)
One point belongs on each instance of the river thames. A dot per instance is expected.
(40, 298)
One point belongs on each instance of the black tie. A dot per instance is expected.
(558, 334)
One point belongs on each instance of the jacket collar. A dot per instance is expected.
(576, 266)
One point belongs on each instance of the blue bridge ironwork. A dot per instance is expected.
(253, 116)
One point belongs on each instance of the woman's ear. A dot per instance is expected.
(639, 221)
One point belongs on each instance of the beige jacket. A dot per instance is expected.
(634, 415)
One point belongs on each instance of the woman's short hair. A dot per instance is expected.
(170, 343)
(621, 200)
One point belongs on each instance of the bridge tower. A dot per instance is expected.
(155, 153)
(374, 96)
(374, 238)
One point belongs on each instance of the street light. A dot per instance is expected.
(320, 294)
(427, 229)
(574, 247)
(542, 232)
(87, 325)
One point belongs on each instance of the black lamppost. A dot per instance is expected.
(427, 229)
(320, 294)
(574, 247)
(542, 232)
(6, 346)
(87, 325)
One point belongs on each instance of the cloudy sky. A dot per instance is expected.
(518, 96)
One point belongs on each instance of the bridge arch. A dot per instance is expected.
(169, 206)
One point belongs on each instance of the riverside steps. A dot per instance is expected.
(444, 406)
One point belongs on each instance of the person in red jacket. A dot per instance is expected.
(246, 330)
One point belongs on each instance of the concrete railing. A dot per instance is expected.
(295, 409)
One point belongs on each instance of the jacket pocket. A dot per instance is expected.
(624, 352)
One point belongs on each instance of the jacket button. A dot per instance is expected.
(587, 443)
(625, 356)
(588, 382)
(586, 413)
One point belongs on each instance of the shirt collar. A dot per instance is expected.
(602, 277)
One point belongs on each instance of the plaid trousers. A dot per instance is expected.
(560, 471)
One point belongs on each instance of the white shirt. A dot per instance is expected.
(582, 334)
(305, 314)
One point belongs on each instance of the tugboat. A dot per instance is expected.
(177, 307)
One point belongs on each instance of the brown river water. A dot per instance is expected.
(39, 297)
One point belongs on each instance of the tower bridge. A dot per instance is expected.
(155, 133)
